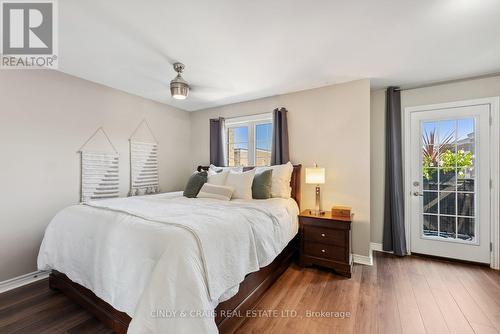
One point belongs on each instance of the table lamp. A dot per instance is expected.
(316, 175)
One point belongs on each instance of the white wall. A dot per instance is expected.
(464, 90)
(45, 117)
(330, 126)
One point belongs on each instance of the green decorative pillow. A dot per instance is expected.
(261, 186)
(194, 184)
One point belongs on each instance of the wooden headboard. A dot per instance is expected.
(294, 182)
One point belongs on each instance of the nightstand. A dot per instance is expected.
(325, 240)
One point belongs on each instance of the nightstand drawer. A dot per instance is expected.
(325, 235)
(324, 251)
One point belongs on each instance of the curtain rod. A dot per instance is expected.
(256, 114)
(438, 83)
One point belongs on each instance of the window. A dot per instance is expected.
(248, 140)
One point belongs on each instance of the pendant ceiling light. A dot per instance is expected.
(179, 88)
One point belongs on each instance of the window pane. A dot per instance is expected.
(466, 228)
(465, 204)
(430, 225)
(237, 151)
(430, 178)
(465, 179)
(466, 154)
(263, 140)
(430, 149)
(430, 202)
(447, 226)
(447, 203)
(447, 179)
(447, 135)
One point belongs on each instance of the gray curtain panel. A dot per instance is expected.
(394, 225)
(280, 153)
(217, 142)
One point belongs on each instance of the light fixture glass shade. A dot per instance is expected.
(179, 88)
(178, 96)
(315, 175)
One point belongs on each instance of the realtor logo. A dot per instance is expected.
(28, 34)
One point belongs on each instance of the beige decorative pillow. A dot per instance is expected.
(215, 191)
(218, 178)
(242, 183)
(282, 175)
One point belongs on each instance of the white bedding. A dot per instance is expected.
(155, 257)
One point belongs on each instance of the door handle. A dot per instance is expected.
(416, 193)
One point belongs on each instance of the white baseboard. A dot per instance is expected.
(362, 259)
(375, 246)
(19, 281)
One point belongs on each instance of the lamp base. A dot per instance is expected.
(317, 213)
(317, 207)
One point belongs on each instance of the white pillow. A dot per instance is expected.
(217, 178)
(242, 183)
(282, 175)
(215, 191)
(224, 169)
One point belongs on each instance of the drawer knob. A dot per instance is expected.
(323, 251)
(323, 235)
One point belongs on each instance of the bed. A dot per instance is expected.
(101, 281)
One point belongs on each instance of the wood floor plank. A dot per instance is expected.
(482, 329)
(430, 313)
(91, 325)
(69, 322)
(27, 292)
(409, 312)
(485, 299)
(345, 302)
(470, 309)
(493, 275)
(477, 274)
(309, 302)
(292, 302)
(31, 311)
(280, 299)
(366, 315)
(45, 319)
(388, 311)
(388, 297)
(455, 319)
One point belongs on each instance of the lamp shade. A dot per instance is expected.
(315, 175)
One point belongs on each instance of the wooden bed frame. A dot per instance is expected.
(250, 291)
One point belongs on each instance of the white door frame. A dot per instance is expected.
(494, 103)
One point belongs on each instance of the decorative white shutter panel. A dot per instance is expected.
(144, 168)
(100, 179)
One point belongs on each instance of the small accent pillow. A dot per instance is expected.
(194, 184)
(242, 183)
(282, 175)
(218, 178)
(215, 191)
(262, 184)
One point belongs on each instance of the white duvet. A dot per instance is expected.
(167, 260)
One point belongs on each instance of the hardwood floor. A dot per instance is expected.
(395, 295)
(37, 309)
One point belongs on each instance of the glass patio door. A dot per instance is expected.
(450, 176)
